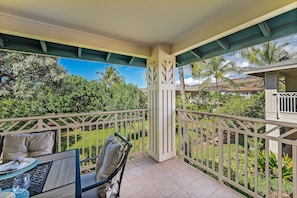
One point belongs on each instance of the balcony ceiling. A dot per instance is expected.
(123, 32)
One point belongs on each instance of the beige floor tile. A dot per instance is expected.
(181, 179)
(195, 190)
(179, 194)
(167, 187)
(144, 177)
(226, 192)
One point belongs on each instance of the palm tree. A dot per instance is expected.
(110, 76)
(268, 53)
(215, 68)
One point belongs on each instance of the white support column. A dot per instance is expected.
(161, 103)
(271, 108)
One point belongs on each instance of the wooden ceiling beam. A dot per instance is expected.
(108, 56)
(223, 43)
(197, 54)
(43, 46)
(1, 42)
(79, 52)
(131, 60)
(265, 29)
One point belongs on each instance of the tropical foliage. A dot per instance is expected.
(34, 85)
(110, 76)
(268, 53)
(21, 74)
(216, 68)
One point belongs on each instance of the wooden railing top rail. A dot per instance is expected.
(257, 120)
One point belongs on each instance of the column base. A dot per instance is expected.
(163, 157)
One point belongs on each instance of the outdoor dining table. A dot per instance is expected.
(56, 175)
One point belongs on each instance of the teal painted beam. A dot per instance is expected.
(131, 60)
(264, 27)
(79, 51)
(43, 46)
(223, 43)
(1, 42)
(108, 56)
(196, 54)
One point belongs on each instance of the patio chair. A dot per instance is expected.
(27, 144)
(106, 180)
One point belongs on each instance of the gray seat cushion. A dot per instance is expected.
(87, 180)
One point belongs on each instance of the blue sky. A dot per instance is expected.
(136, 75)
(88, 69)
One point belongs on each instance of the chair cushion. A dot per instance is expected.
(15, 145)
(87, 180)
(41, 143)
(108, 160)
(28, 145)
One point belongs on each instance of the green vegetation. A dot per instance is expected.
(33, 85)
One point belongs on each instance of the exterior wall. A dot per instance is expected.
(161, 103)
(288, 117)
(291, 83)
(271, 88)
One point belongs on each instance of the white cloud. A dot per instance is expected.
(190, 81)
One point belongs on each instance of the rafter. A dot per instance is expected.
(1, 42)
(223, 43)
(43, 46)
(79, 51)
(108, 56)
(265, 29)
(131, 60)
(197, 54)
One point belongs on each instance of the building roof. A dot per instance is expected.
(285, 68)
(249, 84)
(124, 32)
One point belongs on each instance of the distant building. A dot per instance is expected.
(279, 105)
(247, 86)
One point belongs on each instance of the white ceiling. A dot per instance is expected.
(183, 24)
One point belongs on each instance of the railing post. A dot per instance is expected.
(294, 154)
(39, 124)
(116, 122)
(143, 130)
(221, 153)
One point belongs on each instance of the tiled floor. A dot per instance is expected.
(144, 177)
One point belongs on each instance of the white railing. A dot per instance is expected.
(287, 102)
(86, 131)
(237, 151)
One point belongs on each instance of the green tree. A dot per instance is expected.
(215, 68)
(110, 76)
(75, 94)
(268, 53)
(124, 96)
(241, 106)
(21, 74)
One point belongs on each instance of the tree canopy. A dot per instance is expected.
(268, 53)
(110, 76)
(21, 74)
(37, 85)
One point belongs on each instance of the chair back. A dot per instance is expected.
(117, 174)
(30, 144)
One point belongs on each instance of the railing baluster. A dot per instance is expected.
(279, 172)
(221, 153)
(294, 154)
(267, 172)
